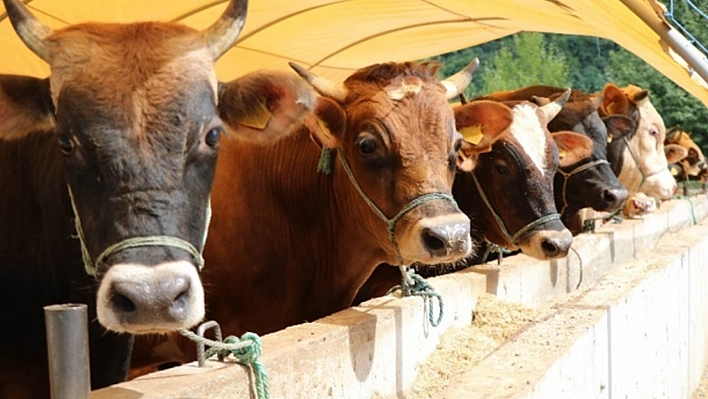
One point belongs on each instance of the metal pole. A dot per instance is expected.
(68, 352)
(693, 57)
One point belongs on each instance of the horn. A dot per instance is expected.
(32, 32)
(224, 32)
(458, 82)
(550, 110)
(327, 88)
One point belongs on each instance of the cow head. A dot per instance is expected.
(638, 159)
(589, 183)
(135, 109)
(514, 178)
(393, 133)
(693, 162)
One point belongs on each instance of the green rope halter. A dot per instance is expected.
(512, 238)
(568, 175)
(134, 242)
(636, 162)
(410, 285)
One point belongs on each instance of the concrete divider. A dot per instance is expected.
(374, 350)
(640, 332)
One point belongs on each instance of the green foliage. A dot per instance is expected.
(524, 61)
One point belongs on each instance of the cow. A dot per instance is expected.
(306, 241)
(692, 164)
(508, 195)
(107, 170)
(590, 183)
(638, 159)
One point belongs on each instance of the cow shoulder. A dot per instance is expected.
(265, 106)
(572, 147)
(25, 106)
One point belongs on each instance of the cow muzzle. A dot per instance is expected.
(548, 244)
(141, 299)
(444, 238)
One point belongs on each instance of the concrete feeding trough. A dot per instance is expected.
(624, 315)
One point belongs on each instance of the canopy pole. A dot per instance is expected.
(68, 351)
(693, 57)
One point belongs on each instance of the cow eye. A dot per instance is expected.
(366, 146)
(212, 137)
(653, 132)
(66, 144)
(501, 168)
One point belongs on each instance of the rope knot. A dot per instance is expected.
(247, 354)
(421, 288)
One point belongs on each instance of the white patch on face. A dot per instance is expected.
(528, 131)
(401, 88)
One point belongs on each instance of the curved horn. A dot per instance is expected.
(224, 32)
(327, 88)
(32, 32)
(550, 110)
(458, 82)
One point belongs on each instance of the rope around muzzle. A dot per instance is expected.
(411, 284)
(134, 242)
(512, 238)
(568, 175)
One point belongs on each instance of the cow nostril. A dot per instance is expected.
(180, 303)
(433, 241)
(609, 196)
(122, 304)
(550, 248)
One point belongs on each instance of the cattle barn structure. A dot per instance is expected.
(652, 286)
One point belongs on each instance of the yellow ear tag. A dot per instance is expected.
(325, 130)
(561, 154)
(674, 172)
(257, 119)
(609, 138)
(472, 134)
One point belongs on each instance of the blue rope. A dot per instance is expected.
(423, 289)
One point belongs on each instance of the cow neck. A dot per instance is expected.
(135, 242)
(639, 167)
(512, 238)
(391, 223)
(568, 175)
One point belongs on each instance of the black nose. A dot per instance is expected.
(556, 247)
(614, 198)
(447, 239)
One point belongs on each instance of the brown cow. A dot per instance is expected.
(120, 142)
(296, 245)
(509, 194)
(692, 164)
(590, 183)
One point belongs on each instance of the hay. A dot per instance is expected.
(460, 349)
(701, 391)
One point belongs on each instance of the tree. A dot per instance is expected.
(527, 60)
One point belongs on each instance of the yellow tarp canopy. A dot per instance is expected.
(335, 37)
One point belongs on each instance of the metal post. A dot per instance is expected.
(67, 344)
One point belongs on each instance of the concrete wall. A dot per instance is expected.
(640, 332)
(584, 347)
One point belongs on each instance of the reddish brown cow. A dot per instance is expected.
(509, 194)
(297, 245)
(119, 143)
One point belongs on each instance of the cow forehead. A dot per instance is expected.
(145, 58)
(529, 132)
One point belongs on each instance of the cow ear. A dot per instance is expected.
(572, 147)
(675, 153)
(613, 101)
(265, 106)
(328, 123)
(618, 126)
(480, 124)
(25, 106)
